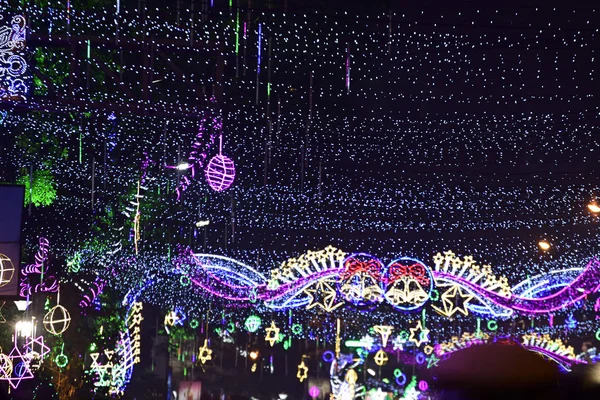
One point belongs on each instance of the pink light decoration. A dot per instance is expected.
(423, 386)
(314, 392)
(220, 173)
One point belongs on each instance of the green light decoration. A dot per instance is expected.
(404, 336)
(194, 323)
(61, 360)
(280, 338)
(492, 325)
(598, 334)
(297, 329)
(287, 343)
(435, 295)
(93, 347)
(184, 280)
(432, 360)
(411, 392)
(74, 262)
(39, 191)
(397, 373)
(359, 343)
(252, 323)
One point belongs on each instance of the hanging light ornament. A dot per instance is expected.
(220, 171)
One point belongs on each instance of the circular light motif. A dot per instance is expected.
(252, 323)
(220, 173)
(361, 280)
(409, 284)
(423, 386)
(7, 270)
(6, 366)
(61, 360)
(57, 320)
(401, 380)
(314, 392)
(328, 356)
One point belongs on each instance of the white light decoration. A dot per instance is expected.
(57, 320)
(7, 270)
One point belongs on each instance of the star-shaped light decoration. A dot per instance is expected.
(385, 331)
(30, 346)
(205, 354)
(419, 335)
(454, 300)
(302, 372)
(432, 360)
(272, 334)
(323, 295)
(381, 358)
(20, 369)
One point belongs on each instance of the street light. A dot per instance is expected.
(593, 207)
(544, 245)
(24, 328)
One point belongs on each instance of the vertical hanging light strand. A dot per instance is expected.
(348, 68)
(258, 62)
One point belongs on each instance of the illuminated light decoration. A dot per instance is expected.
(454, 300)
(198, 154)
(297, 275)
(91, 293)
(302, 373)
(381, 358)
(323, 295)
(220, 173)
(204, 353)
(194, 323)
(432, 360)
(385, 331)
(450, 269)
(409, 284)
(423, 386)
(61, 360)
(466, 340)
(428, 349)
(419, 334)
(344, 379)
(361, 280)
(57, 320)
(14, 71)
(272, 334)
(2, 319)
(328, 356)
(30, 345)
(6, 367)
(401, 379)
(367, 342)
(174, 317)
(598, 334)
(553, 349)
(488, 289)
(104, 370)
(492, 325)
(314, 392)
(20, 368)
(297, 329)
(7, 270)
(411, 393)
(252, 323)
(134, 322)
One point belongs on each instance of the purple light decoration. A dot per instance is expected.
(423, 386)
(220, 173)
(587, 282)
(348, 68)
(314, 392)
(259, 49)
(48, 283)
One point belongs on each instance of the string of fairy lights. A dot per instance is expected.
(395, 134)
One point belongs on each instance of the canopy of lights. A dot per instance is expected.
(393, 187)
